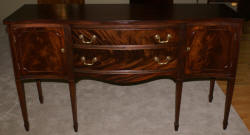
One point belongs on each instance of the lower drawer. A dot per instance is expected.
(106, 60)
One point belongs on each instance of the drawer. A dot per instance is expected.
(125, 36)
(157, 59)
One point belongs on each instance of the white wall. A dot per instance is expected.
(9, 6)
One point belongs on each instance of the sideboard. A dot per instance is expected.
(124, 45)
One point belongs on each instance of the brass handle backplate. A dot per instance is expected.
(94, 60)
(168, 58)
(158, 39)
(62, 50)
(92, 40)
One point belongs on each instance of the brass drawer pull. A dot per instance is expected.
(94, 60)
(92, 40)
(62, 50)
(158, 39)
(168, 58)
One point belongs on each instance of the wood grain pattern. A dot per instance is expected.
(39, 50)
(126, 60)
(126, 36)
(124, 78)
(210, 49)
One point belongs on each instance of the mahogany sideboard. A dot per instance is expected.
(124, 45)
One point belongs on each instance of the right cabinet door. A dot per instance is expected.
(210, 49)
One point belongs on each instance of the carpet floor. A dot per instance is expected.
(105, 109)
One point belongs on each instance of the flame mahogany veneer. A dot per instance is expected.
(124, 45)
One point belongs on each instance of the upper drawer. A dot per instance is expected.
(167, 35)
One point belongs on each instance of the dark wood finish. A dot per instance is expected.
(22, 101)
(123, 77)
(72, 89)
(131, 14)
(39, 49)
(19, 83)
(39, 89)
(126, 60)
(177, 104)
(61, 1)
(229, 96)
(210, 49)
(133, 37)
(211, 91)
(45, 44)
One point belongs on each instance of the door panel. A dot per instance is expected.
(210, 49)
(39, 50)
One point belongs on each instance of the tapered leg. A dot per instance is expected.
(229, 96)
(39, 88)
(22, 101)
(211, 91)
(72, 89)
(177, 104)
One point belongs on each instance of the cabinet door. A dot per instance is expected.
(210, 49)
(40, 50)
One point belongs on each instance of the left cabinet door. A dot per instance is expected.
(40, 50)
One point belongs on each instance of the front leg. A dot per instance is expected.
(211, 91)
(39, 89)
(229, 96)
(22, 101)
(72, 89)
(177, 103)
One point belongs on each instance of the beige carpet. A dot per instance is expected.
(104, 109)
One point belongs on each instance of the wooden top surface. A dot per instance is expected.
(119, 13)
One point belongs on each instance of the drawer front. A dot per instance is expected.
(108, 60)
(125, 36)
